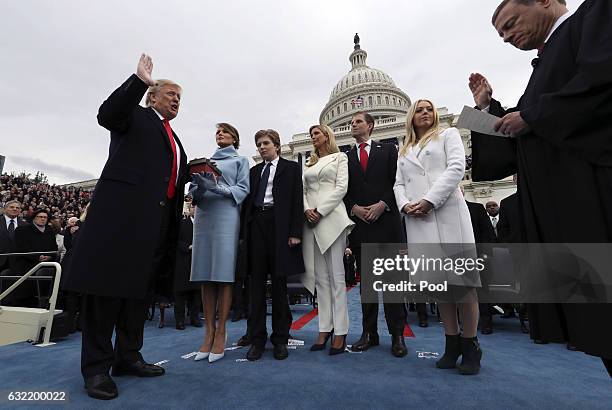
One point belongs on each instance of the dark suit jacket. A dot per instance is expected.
(113, 256)
(481, 223)
(367, 188)
(6, 244)
(508, 226)
(288, 217)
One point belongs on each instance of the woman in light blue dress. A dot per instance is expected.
(215, 236)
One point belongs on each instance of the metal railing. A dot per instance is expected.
(54, 293)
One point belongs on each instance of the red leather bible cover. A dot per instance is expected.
(203, 165)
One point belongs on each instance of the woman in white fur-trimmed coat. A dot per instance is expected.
(431, 164)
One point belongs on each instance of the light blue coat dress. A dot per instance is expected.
(217, 219)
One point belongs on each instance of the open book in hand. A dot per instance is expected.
(205, 165)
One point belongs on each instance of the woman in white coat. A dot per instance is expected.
(431, 164)
(324, 237)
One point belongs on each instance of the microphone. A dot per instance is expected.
(535, 62)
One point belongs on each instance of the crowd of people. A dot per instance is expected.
(274, 221)
(35, 193)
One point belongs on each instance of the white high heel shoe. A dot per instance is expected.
(213, 357)
(201, 356)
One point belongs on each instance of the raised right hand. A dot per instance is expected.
(481, 90)
(144, 70)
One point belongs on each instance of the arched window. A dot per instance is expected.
(370, 100)
(386, 100)
(394, 102)
(378, 99)
(345, 109)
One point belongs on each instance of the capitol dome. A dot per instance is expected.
(363, 88)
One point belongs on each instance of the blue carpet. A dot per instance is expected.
(515, 373)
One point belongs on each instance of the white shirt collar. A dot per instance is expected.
(274, 162)
(368, 143)
(559, 21)
(161, 117)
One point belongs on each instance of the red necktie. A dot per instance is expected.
(363, 156)
(172, 183)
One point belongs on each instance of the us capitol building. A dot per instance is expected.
(369, 89)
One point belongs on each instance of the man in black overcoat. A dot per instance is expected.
(370, 202)
(9, 222)
(272, 226)
(483, 234)
(142, 183)
(184, 290)
(35, 237)
(562, 149)
(508, 231)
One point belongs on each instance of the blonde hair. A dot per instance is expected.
(411, 136)
(154, 89)
(331, 145)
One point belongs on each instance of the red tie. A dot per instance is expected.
(363, 156)
(172, 183)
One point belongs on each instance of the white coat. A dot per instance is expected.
(325, 185)
(434, 173)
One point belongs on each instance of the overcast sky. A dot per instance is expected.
(254, 64)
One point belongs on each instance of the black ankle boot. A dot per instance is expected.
(470, 362)
(452, 351)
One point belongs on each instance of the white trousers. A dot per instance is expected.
(331, 288)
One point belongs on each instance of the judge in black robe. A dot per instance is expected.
(563, 148)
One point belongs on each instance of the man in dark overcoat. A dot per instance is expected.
(186, 292)
(142, 183)
(273, 223)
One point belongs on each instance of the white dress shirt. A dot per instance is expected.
(8, 221)
(366, 148)
(178, 150)
(268, 198)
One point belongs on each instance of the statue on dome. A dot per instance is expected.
(356, 41)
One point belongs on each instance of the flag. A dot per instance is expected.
(357, 101)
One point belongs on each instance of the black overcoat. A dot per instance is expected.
(113, 256)
(481, 223)
(7, 245)
(182, 264)
(564, 163)
(509, 221)
(288, 218)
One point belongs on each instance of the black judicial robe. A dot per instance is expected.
(564, 162)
